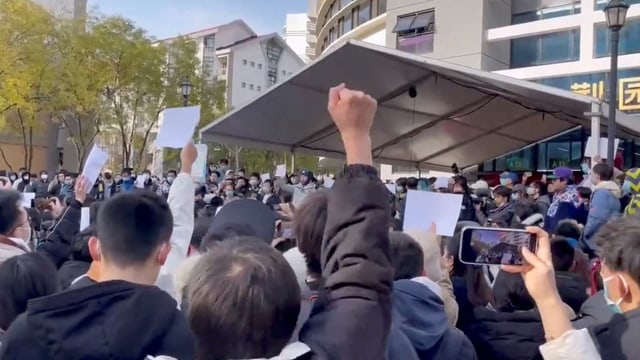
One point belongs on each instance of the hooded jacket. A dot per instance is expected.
(564, 206)
(108, 320)
(604, 205)
(419, 321)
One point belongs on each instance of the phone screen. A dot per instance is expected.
(495, 246)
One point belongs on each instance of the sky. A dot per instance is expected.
(168, 18)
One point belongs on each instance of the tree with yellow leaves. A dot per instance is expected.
(25, 70)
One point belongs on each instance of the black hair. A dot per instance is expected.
(215, 172)
(171, 171)
(245, 295)
(401, 181)
(223, 161)
(503, 191)
(604, 171)
(562, 254)
(9, 211)
(80, 245)
(200, 229)
(584, 192)
(511, 294)
(568, 229)
(542, 187)
(412, 183)
(227, 232)
(407, 256)
(309, 225)
(620, 247)
(144, 221)
(23, 278)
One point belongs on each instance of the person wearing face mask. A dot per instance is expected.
(508, 179)
(23, 183)
(537, 191)
(518, 193)
(605, 201)
(502, 215)
(254, 182)
(126, 183)
(165, 185)
(41, 185)
(213, 180)
(267, 195)
(13, 177)
(223, 167)
(467, 211)
(229, 193)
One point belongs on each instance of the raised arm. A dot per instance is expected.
(352, 316)
(181, 202)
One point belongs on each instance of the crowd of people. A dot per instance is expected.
(236, 268)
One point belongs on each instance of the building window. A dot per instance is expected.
(259, 88)
(243, 85)
(340, 27)
(364, 12)
(544, 49)
(259, 66)
(244, 61)
(273, 51)
(547, 13)
(210, 42)
(347, 24)
(382, 7)
(252, 64)
(284, 72)
(250, 86)
(344, 3)
(600, 4)
(332, 35)
(223, 65)
(415, 33)
(208, 64)
(331, 10)
(629, 39)
(518, 161)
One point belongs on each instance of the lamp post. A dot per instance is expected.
(185, 90)
(616, 14)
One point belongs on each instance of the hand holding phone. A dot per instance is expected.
(495, 246)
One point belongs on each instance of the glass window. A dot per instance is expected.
(487, 166)
(576, 155)
(243, 85)
(340, 27)
(250, 86)
(259, 88)
(331, 12)
(253, 64)
(244, 61)
(332, 35)
(547, 13)
(518, 161)
(259, 66)
(418, 44)
(558, 154)
(344, 3)
(364, 12)
(550, 48)
(600, 4)
(629, 39)
(347, 24)
(382, 7)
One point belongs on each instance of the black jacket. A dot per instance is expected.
(107, 320)
(57, 245)
(594, 312)
(507, 335)
(572, 289)
(352, 315)
(467, 211)
(70, 271)
(618, 339)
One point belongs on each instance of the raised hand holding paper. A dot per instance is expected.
(177, 126)
(281, 170)
(425, 208)
(96, 160)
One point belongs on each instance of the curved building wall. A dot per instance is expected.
(341, 20)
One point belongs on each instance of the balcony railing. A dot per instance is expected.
(311, 27)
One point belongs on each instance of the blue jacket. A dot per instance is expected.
(604, 205)
(563, 206)
(419, 328)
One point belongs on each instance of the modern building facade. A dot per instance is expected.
(560, 43)
(295, 34)
(248, 64)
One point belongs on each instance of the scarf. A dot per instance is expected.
(569, 195)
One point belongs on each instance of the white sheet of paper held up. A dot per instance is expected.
(27, 198)
(281, 170)
(177, 126)
(96, 160)
(424, 208)
(85, 218)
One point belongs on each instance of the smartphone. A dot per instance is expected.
(495, 246)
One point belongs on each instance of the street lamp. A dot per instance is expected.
(616, 14)
(185, 90)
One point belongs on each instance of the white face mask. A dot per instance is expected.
(531, 191)
(44, 177)
(253, 182)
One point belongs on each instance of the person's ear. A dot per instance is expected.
(163, 254)
(94, 248)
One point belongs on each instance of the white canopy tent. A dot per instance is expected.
(458, 114)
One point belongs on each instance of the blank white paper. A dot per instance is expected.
(425, 207)
(27, 198)
(177, 126)
(281, 170)
(96, 160)
(85, 218)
